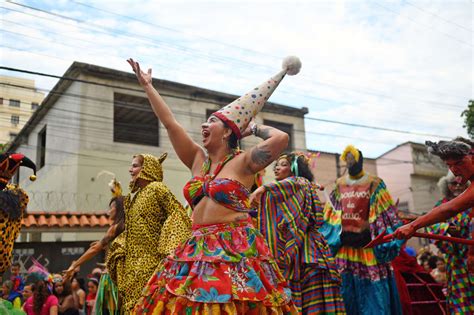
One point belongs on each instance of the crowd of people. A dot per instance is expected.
(40, 292)
(249, 247)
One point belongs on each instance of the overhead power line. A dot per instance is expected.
(214, 57)
(425, 26)
(310, 118)
(439, 17)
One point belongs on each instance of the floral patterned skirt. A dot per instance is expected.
(222, 269)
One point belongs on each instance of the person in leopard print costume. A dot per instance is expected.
(155, 224)
(13, 202)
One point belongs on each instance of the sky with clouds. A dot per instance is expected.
(403, 65)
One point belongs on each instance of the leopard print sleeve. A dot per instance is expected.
(177, 226)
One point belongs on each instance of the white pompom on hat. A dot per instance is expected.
(240, 112)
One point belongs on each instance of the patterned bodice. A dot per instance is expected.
(225, 191)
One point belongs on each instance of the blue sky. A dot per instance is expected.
(404, 65)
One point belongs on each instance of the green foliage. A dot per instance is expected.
(468, 115)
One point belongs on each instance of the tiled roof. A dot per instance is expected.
(65, 219)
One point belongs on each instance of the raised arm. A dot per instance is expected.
(186, 149)
(260, 156)
(439, 214)
(94, 249)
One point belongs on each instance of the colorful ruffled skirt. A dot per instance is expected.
(222, 269)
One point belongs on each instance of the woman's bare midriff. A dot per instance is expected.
(210, 212)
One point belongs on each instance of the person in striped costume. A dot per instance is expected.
(359, 209)
(460, 286)
(289, 215)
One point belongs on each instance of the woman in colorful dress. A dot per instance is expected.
(225, 267)
(460, 286)
(290, 214)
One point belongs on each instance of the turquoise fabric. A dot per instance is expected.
(387, 252)
(332, 235)
(365, 297)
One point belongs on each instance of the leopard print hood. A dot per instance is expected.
(152, 169)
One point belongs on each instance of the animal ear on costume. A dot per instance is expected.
(163, 157)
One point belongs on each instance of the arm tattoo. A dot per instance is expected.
(263, 133)
(261, 155)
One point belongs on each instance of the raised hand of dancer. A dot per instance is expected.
(143, 78)
(69, 273)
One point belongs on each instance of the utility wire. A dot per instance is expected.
(335, 86)
(310, 118)
(106, 101)
(439, 17)
(425, 26)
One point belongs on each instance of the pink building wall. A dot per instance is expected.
(395, 168)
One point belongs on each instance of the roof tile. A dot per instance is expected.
(65, 219)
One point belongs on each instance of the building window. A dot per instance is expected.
(134, 120)
(288, 128)
(34, 106)
(1, 100)
(41, 148)
(14, 103)
(15, 120)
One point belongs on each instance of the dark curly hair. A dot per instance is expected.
(302, 162)
(40, 295)
(233, 141)
(455, 149)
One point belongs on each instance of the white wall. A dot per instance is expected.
(56, 185)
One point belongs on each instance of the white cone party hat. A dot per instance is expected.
(238, 114)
